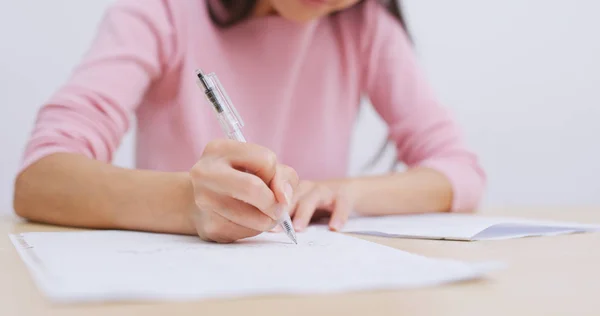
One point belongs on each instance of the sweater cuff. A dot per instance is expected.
(467, 180)
(38, 153)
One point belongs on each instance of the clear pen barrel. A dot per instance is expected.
(231, 126)
(226, 113)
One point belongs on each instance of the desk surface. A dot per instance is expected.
(556, 275)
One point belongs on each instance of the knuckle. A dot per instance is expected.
(206, 168)
(216, 146)
(292, 175)
(269, 158)
(211, 147)
(312, 193)
(198, 171)
(254, 187)
(321, 190)
(304, 186)
(213, 230)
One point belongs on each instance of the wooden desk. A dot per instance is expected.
(557, 275)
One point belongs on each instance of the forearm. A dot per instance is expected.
(72, 190)
(419, 190)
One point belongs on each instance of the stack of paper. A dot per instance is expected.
(460, 227)
(118, 265)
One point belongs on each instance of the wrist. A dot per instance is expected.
(158, 202)
(186, 189)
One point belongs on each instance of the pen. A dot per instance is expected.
(232, 124)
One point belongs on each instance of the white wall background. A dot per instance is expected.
(521, 76)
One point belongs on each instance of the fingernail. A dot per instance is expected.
(298, 227)
(336, 225)
(288, 192)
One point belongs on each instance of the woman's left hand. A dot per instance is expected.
(316, 199)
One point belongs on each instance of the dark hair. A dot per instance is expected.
(236, 11)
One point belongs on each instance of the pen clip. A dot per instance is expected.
(229, 107)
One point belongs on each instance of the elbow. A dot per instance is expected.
(28, 188)
(472, 187)
(22, 194)
(467, 181)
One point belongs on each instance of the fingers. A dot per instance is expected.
(264, 182)
(341, 211)
(249, 157)
(307, 205)
(284, 184)
(211, 226)
(240, 190)
(247, 188)
(241, 213)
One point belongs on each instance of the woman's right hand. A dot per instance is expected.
(240, 191)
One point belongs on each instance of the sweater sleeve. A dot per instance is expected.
(90, 113)
(423, 131)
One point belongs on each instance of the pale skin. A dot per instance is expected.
(215, 199)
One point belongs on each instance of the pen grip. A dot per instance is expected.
(231, 127)
(236, 135)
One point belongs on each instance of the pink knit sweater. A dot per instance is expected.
(297, 87)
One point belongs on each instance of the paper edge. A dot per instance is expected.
(37, 275)
(422, 237)
(476, 271)
(562, 230)
(566, 227)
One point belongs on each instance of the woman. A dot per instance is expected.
(296, 70)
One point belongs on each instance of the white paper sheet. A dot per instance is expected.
(118, 265)
(460, 227)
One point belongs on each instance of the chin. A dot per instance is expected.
(303, 18)
(298, 11)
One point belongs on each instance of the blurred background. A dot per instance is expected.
(522, 77)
